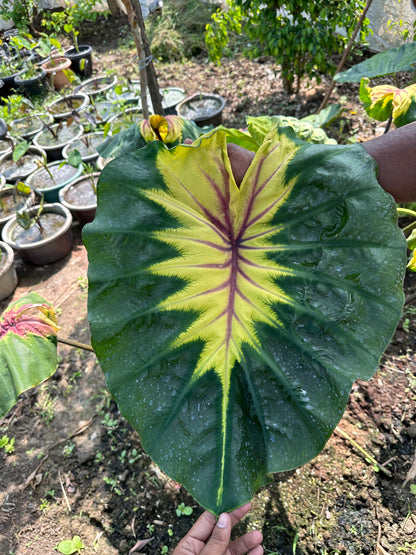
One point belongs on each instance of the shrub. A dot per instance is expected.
(177, 32)
(301, 36)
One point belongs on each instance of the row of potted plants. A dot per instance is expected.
(41, 232)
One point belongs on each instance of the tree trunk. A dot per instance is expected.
(113, 7)
(135, 15)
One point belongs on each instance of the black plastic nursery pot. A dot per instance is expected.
(9, 84)
(203, 108)
(81, 60)
(34, 86)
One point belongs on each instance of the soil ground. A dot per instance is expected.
(78, 467)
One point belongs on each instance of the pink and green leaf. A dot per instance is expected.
(28, 330)
(230, 322)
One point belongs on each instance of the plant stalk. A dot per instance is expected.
(345, 54)
(366, 454)
(73, 343)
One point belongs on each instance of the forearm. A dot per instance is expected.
(395, 154)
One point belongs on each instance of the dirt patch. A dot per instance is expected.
(78, 467)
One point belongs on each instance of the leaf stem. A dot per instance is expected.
(366, 454)
(74, 343)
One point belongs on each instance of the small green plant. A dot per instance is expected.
(109, 422)
(113, 483)
(67, 449)
(164, 549)
(44, 505)
(19, 13)
(150, 528)
(183, 510)
(68, 547)
(99, 458)
(45, 406)
(7, 444)
(69, 20)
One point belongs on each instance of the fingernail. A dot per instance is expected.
(222, 521)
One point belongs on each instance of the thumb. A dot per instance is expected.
(220, 537)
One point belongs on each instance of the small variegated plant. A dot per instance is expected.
(387, 101)
(28, 329)
(171, 130)
(231, 320)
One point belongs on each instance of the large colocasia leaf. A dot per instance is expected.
(231, 321)
(28, 356)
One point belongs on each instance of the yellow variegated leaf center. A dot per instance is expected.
(222, 243)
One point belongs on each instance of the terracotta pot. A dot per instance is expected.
(8, 276)
(203, 108)
(39, 248)
(80, 198)
(55, 68)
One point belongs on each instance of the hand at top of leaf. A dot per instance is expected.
(240, 159)
(211, 537)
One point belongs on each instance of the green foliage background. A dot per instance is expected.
(301, 36)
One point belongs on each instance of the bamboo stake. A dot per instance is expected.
(345, 54)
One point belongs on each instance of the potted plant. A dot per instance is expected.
(171, 97)
(96, 86)
(69, 21)
(80, 197)
(14, 198)
(32, 80)
(13, 63)
(8, 276)
(48, 179)
(56, 69)
(53, 138)
(86, 145)
(19, 162)
(42, 234)
(124, 119)
(28, 126)
(203, 108)
(64, 107)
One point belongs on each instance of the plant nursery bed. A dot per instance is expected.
(77, 468)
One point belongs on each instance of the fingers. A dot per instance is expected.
(240, 159)
(202, 528)
(249, 543)
(220, 537)
(239, 513)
